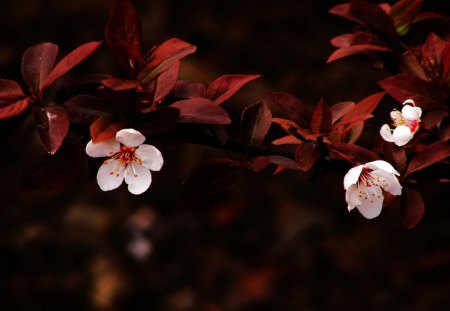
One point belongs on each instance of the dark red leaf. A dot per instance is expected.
(356, 49)
(201, 110)
(123, 35)
(37, 63)
(118, 84)
(52, 124)
(432, 118)
(410, 65)
(363, 108)
(426, 16)
(375, 17)
(340, 109)
(403, 87)
(403, 12)
(284, 161)
(208, 179)
(257, 164)
(158, 121)
(224, 87)
(10, 91)
(287, 140)
(188, 89)
(344, 11)
(88, 104)
(429, 156)
(56, 172)
(163, 57)
(166, 82)
(321, 119)
(71, 60)
(354, 153)
(292, 107)
(444, 128)
(433, 47)
(14, 109)
(412, 208)
(307, 154)
(255, 123)
(105, 128)
(343, 41)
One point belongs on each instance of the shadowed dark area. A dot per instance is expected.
(282, 242)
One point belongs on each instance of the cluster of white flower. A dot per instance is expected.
(131, 160)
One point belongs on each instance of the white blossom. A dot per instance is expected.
(406, 124)
(130, 160)
(365, 184)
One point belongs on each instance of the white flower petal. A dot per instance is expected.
(351, 197)
(151, 157)
(110, 175)
(104, 148)
(411, 113)
(402, 135)
(396, 116)
(392, 185)
(385, 132)
(352, 176)
(381, 165)
(371, 205)
(409, 101)
(130, 137)
(138, 178)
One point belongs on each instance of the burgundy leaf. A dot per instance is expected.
(255, 123)
(158, 121)
(118, 84)
(321, 119)
(14, 108)
(403, 87)
(37, 63)
(343, 41)
(166, 82)
(201, 110)
(426, 16)
(283, 161)
(10, 91)
(410, 65)
(356, 49)
(287, 140)
(344, 11)
(363, 108)
(412, 208)
(340, 109)
(403, 12)
(355, 119)
(444, 128)
(354, 153)
(71, 60)
(123, 35)
(375, 17)
(163, 57)
(307, 154)
(88, 104)
(257, 164)
(429, 156)
(188, 89)
(52, 125)
(433, 47)
(432, 118)
(292, 107)
(105, 128)
(224, 87)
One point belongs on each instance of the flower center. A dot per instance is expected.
(398, 119)
(367, 183)
(126, 156)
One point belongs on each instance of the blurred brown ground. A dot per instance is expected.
(280, 242)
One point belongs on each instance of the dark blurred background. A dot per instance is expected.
(284, 242)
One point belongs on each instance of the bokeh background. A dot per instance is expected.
(284, 242)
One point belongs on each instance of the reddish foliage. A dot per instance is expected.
(412, 208)
(255, 123)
